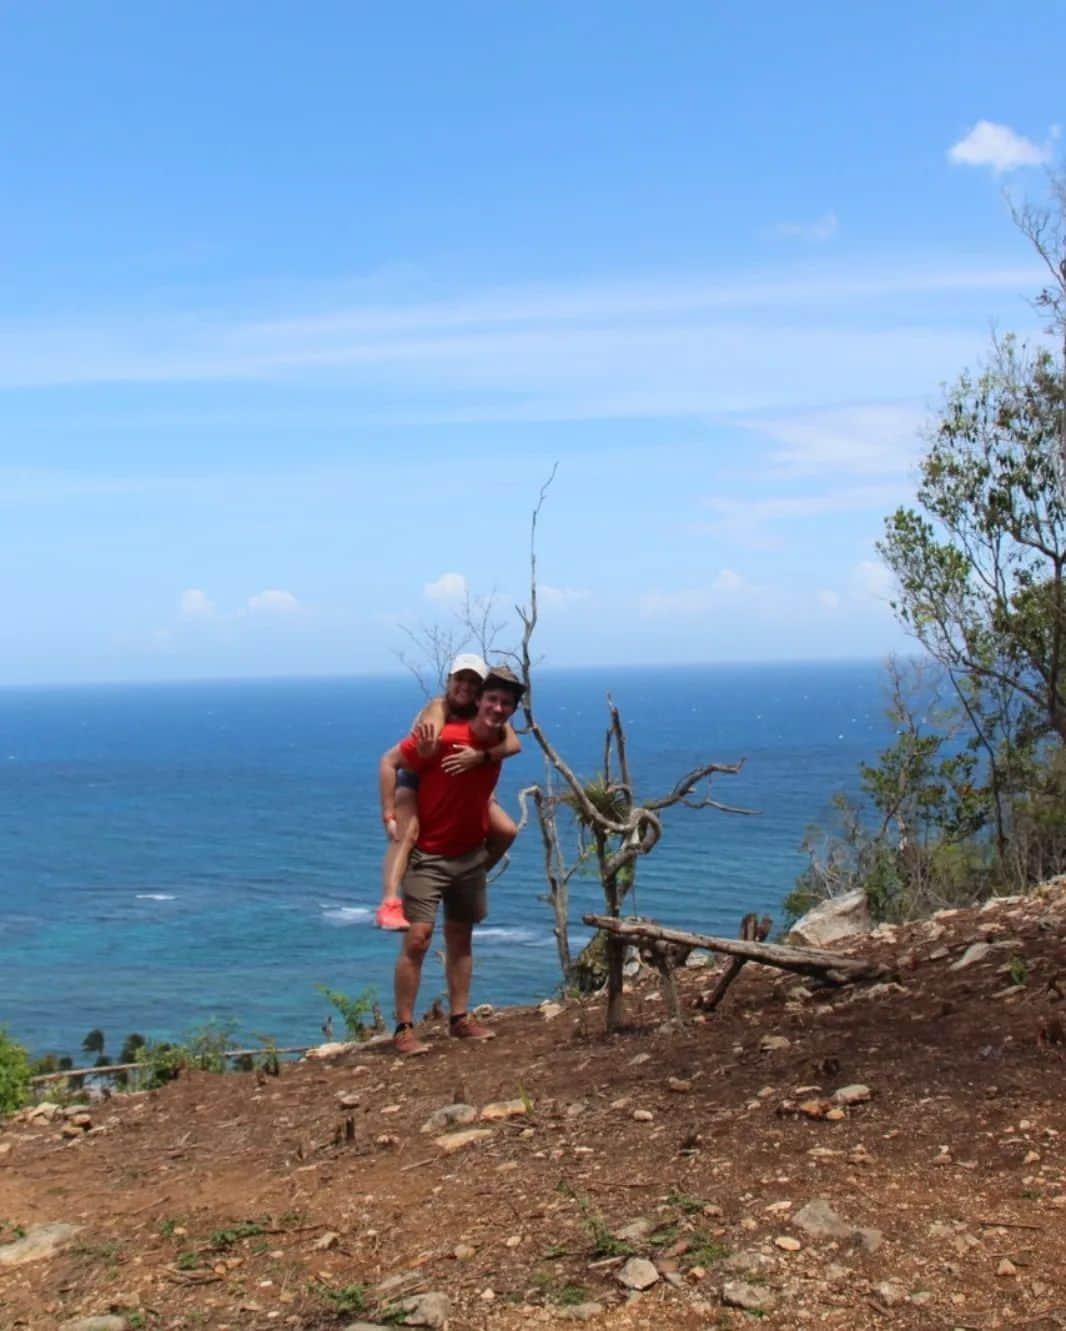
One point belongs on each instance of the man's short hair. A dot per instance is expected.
(502, 677)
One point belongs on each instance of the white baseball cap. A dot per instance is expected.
(469, 661)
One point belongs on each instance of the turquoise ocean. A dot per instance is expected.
(174, 853)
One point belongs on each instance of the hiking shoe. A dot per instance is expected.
(389, 915)
(407, 1043)
(466, 1028)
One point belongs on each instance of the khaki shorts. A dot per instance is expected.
(458, 882)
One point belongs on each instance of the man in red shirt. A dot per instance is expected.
(449, 861)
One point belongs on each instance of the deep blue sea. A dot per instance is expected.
(172, 853)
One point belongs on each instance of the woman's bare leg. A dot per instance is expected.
(502, 832)
(398, 852)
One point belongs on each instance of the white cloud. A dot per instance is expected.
(828, 599)
(560, 598)
(821, 229)
(751, 523)
(273, 601)
(998, 147)
(448, 587)
(872, 581)
(866, 439)
(727, 588)
(196, 604)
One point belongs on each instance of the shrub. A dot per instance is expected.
(14, 1074)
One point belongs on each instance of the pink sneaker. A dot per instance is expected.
(389, 915)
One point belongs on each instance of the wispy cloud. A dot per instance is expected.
(448, 588)
(862, 439)
(819, 230)
(273, 601)
(756, 524)
(195, 604)
(1000, 148)
(628, 348)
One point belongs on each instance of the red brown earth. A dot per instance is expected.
(231, 1202)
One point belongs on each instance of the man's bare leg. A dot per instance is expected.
(459, 964)
(408, 973)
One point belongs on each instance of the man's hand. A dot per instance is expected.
(425, 735)
(461, 759)
(392, 832)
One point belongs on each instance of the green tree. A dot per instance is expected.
(981, 567)
(94, 1041)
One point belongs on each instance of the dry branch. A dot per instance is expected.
(805, 961)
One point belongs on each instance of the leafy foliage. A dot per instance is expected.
(353, 1010)
(14, 1074)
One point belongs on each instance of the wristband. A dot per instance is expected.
(388, 817)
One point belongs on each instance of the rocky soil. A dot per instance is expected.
(884, 1155)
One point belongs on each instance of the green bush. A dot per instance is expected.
(14, 1074)
(353, 1010)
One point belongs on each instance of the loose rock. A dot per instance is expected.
(103, 1323)
(820, 1221)
(456, 1141)
(638, 1273)
(752, 1298)
(39, 1242)
(449, 1116)
(432, 1310)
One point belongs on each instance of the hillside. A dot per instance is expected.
(930, 1193)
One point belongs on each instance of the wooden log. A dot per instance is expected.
(752, 929)
(831, 966)
(111, 1068)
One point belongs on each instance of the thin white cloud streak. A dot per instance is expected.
(273, 601)
(859, 439)
(754, 524)
(520, 339)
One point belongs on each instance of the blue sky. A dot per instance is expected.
(301, 303)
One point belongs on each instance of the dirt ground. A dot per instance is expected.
(314, 1200)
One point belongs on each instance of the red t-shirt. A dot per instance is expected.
(453, 811)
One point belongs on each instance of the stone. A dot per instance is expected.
(749, 1262)
(502, 1109)
(769, 1043)
(856, 1094)
(331, 1049)
(638, 1273)
(839, 917)
(820, 1221)
(45, 1112)
(106, 1322)
(891, 1293)
(464, 1252)
(584, 1312)
(449, 1116)
(869, 1239)
(549, 1011)
(636, 1230)
(1006, 1268)
(325, 1241)
(432, 1310)
(643, 1116)
(836, 1114)
(362, 1326)
(787, 1243)
(678, 1084)
(751, 1298)
(815, 1108)
(974, 953)
(457, 1141)
(39, 1242)
(348, 1099)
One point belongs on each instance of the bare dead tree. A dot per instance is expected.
(1044, 226)
(620, 827)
